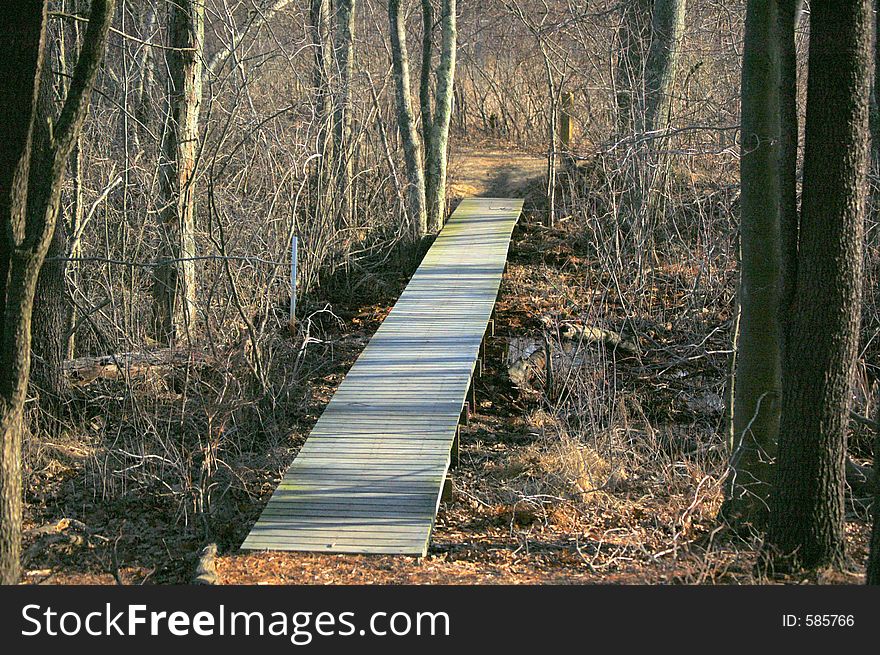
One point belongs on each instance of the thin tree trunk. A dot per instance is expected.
(319, 17)
(76, 220)
(174, 287)
(758, 367)
(26, 235)
(322, 48)
(667, 28)
(436, 159)
(807, 503)
(406, 122)
(633, 35)
(146, 77)
(875, 92)
(345, 22)
(425, 77)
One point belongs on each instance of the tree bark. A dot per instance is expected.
(789, 12)
(875, 92)
(406, 122)
(758, 370)
(26, 235)
(342, 121)
(436, 158)
(807, 503)
(146, 77)
(667, 28)
(174, 286)
(425, 77)
(51, 298)
(633, 35)
(322, 48)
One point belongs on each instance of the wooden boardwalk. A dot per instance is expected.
(370, 476)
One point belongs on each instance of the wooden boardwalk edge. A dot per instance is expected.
(369, 479)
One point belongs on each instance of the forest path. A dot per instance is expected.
(492, 171)
(369, 477)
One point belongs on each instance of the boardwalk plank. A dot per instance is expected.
(368, 479)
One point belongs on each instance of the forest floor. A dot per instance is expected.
(533, 501)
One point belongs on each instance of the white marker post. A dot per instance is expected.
(292, 323)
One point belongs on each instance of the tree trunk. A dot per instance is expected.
(436, 158)
(345, 22)
(667, 27)
(322, 49)
(758, 369)
(51, 299)
(406, 122)
(875, 93)
(789, 12)
(174, 286)
(633, 35)
(26, 235)
(146, 77)
(426, 73)
(807, 503)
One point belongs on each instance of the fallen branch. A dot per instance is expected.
(85, 370)
(523, 370)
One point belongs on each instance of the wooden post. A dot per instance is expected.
(446, 494)
(292, 323)
(566, 121)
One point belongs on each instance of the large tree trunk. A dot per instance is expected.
(174, 287)
(807, 503)
(436, 155)
(50, 300)
(21, 54)
(758, 368)
(789, 12)
(26, 235)
(406, 122)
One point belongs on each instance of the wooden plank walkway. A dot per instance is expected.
(370, 476)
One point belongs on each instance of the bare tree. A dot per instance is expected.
(26, 180)
(758, 364)
(51, 314)
(342, 120)
(807, 502)
(406, 121)
(436, 126)
(667, 27)
(174, 287)
(633, 36)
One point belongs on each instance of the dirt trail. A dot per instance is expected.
(492, 171)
